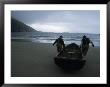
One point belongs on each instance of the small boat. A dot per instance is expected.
(70, 58)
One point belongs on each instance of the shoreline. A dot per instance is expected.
(31, 41)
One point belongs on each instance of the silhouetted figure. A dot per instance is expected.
(85, 45)
(59, 43)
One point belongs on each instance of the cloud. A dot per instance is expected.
(51, 27)
(73, 21)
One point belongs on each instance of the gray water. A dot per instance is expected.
(42, 37)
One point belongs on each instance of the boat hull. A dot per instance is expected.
(70, 58)
(69, 63)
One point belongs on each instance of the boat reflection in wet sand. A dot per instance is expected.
(70, 58)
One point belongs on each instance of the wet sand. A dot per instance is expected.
(29, 59)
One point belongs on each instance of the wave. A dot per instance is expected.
(51, 37)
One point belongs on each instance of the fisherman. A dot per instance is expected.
(85, 45)
(59, 43)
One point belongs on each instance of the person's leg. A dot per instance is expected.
(83, 50)
(86, 50)
(58, 49)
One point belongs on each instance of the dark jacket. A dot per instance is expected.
(59, 41)
(86, 41)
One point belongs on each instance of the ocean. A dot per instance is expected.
(49, 37)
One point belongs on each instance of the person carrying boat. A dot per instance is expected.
(85, 45)
(59, 43)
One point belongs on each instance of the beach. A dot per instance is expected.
(30, 59)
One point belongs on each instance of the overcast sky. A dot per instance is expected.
(78, 21)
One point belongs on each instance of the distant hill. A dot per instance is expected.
(17, 26)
